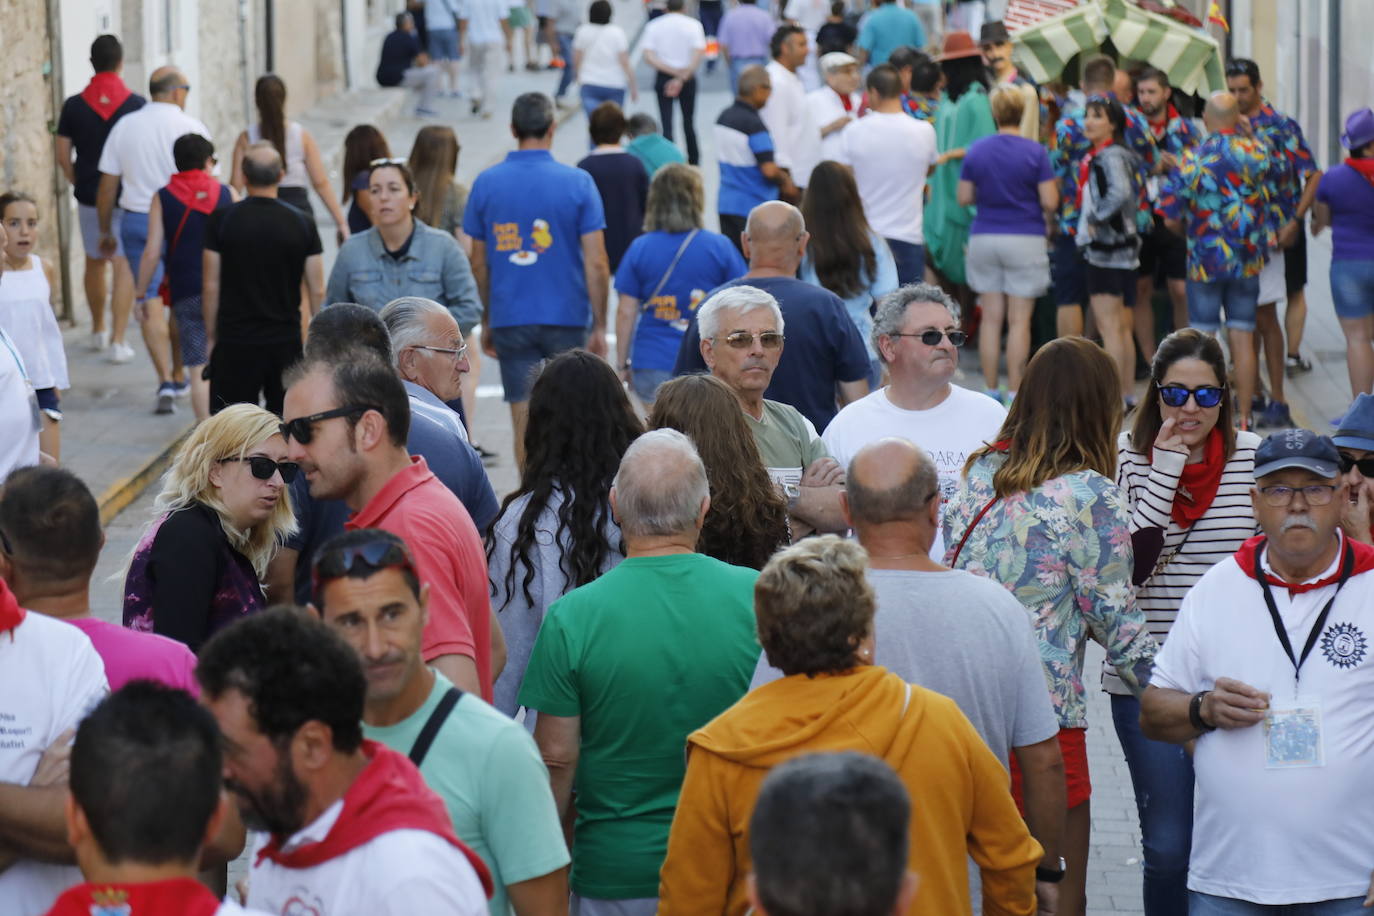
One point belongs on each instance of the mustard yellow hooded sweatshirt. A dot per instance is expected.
(961, 804)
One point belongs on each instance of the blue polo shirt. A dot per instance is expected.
(531, 213)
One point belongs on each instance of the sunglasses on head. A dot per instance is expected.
(1204, 395)
(743, 340)
(1365, 464)
(302, 429)
(368, 557)
(263, 467)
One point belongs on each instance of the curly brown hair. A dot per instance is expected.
(814, 606)
(747, 521)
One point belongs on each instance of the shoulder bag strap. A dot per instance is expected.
(969, 530)
(176, 237)
(433, 724)
(681, 250)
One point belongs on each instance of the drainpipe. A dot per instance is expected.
(343, 31)
(244, 65)
(55, 89)
(1333, 80)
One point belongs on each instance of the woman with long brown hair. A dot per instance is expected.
(844, 254)
(1039, 511)
(300, 155)
(364, 145)
(747, 521)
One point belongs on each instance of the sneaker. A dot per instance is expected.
(166, 398)
(426, 113)
(181, 389)
(1275, 416)
(1258, 404)
(120, 353)
(1295, 365)
(476, 106)
(99, 340)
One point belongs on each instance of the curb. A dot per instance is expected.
(120, 494)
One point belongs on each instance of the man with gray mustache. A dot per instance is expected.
(1268, 670)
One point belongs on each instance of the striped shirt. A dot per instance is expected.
(1187, 552)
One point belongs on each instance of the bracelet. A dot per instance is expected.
(1195, 712)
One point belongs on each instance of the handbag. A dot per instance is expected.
(663, 280)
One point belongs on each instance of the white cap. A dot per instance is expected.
(835, 60)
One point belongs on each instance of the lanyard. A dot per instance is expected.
(1347, 564)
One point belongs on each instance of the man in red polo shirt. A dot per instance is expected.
(346, 423)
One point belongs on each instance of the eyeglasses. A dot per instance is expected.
(263, 467)
(182, 86)
(1366, 465)
(368, 557)
(302, 429)
(1314, 495)
(389, 160)
(743, 340)
(1205, 395)
(458, 355)
(933, 337)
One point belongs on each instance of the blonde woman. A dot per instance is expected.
(223, 510)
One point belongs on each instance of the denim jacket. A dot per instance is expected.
(434, 267)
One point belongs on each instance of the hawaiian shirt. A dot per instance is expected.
(1064, 550)
(1175, 136)
(1223, 190)
(920, 106)
(1285, 138)
(1071, 145)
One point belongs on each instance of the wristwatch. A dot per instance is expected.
(792, 492)
(1195, 712)
(1050, 875)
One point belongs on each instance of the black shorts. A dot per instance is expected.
(1295, 262)
(1112, 281)
(241, 373)
(1163, 254)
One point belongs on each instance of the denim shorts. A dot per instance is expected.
(443, 44)
(1238, 296)
(522, 348)
(1069, 272)
(1352, 288)
(645, 383)
(89, 221)
(49, 403)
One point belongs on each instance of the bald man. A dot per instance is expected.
(137, 161)
(824, 350)
(256, 254)
(953, 632)
(1220, 198)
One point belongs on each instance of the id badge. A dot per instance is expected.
(1293, 737)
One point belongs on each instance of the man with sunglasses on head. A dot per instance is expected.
(1268, 670)
(825, 352)
(347, 417)
(916, 331)
(483, 764)
(741, 342)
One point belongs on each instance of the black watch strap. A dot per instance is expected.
(1195, 712)
(1051, 875)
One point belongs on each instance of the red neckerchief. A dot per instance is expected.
(105, 93)
(1197, 487)
(1159, 128)
(1001, 445)
(173, 897)
(1364, 562)
(389, 794)
(195, 188)
(845, 100)
(11, 614)
(1086, 165)
(1364, 166)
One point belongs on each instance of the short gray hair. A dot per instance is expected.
(660, 485)
(743, 299)
(887, 319)
(405, 321)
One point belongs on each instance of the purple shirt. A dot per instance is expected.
(1006, 172)
(131, 656)
(1351, 199)
(745, 31)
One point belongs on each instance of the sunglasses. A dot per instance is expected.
(933, 337)
(1366, 465)
(391, 160)
(1204, 395)
(302, 429)
(368, 557)
(743, 340)
(263, 467)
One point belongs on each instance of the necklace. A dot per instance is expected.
(900, 556)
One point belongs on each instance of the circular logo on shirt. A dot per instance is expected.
(1344, 645)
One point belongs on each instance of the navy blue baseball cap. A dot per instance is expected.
(1297, 448)
(1356, 428)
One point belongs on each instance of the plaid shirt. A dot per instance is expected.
(1071, 145)
(1223, 190)
(1285, 138)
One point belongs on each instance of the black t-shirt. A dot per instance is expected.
(262, 244)
(835, 36)
(399, 50)
(88, 132)
(624, 187)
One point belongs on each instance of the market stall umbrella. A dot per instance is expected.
(1190, 57)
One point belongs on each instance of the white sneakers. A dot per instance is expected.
(120, 353)
(99, 340)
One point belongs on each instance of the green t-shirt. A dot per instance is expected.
(787, 443)
(486, 768)
(646, 654)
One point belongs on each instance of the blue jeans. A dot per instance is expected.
(593, 96)
(1352, 288)
(1200, 904)
(1238, 296)
(522, 350)
(133, 235)
(565, 51)
(1162, 775)
(739, 64)
(911, 261)
(645, 383)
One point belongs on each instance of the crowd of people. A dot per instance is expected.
(779, 617)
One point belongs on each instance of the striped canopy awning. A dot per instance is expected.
(1190, 57)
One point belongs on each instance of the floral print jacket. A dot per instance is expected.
(1064, 550)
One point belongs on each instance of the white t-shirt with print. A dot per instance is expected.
(1279, 835)
(949, 432)
(50, 677)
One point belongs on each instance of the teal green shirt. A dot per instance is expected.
(655, 151)
(646, 654)
(486, 768)
(887, 28)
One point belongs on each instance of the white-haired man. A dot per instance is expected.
(626, 667)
